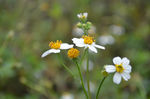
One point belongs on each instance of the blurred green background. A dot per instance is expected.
(27, 27)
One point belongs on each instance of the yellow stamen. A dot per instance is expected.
(88, 39)
(83, 17)
(119, 68)
(55, 45)
(73, 53)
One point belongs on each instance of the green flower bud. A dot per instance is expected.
(105, 74)
(89, 23)
(84, 25)
(79, 25)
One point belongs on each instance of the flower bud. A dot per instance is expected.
(105, 74)
(89, 23)
(73, 53)
(79, 25)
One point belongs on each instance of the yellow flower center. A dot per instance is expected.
(119, 68)
(83, 17)
(55, 45)
(73, 53)
(88, 39)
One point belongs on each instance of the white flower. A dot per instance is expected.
(56, 47)
(122, 69)
(87, 42)
(106, 39)
(67, 96)
(82, 15)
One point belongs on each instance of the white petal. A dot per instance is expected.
(117, 60)
(85, 14)
(78, 42)
(117, 78)
(50, 51)
(125, 61)
(126, 76)
(79, 15)
(92, 48)
(65, 46)
(110, 68)
(98, 46)
(127, 68)
(80, 45)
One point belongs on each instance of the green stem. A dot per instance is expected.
(60, 59)
(82, 83)
(84, 53)
(87, 74)
(100, 85)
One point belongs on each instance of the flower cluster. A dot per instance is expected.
(121, 67)
(85, 41)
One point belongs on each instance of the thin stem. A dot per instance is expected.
(82, 83)
(85, 32)
(87, 74)
(84, 53)
(60, 59)
(100, 85)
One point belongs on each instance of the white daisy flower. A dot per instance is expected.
(56, 47)
(87, 42)
(121, 68)
(82, 15)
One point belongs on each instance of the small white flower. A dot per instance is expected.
(67, 96)
(56, 47)
(82, 15)
(122, 69)
(87, 42)
(106, 39)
